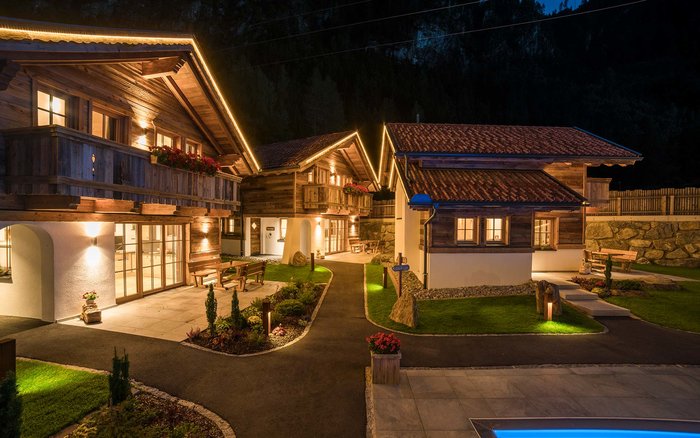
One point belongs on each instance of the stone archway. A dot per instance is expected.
(29, 292)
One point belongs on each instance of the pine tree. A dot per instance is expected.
(119, 385)
(608, 277)
(210, 305)
(236, 318)
(10, 407)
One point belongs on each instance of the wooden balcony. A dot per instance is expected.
(332, 200)
(52, 160)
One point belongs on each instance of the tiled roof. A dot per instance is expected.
(479, 186)
(502, 140)
(293, 152)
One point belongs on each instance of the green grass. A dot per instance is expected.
(282, 272)
(678, 271)
(514, 314)
(671, 308)
(54, 397)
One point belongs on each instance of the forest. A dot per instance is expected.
(296, 68)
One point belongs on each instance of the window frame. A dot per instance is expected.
(283, 236)
(122, 122)
(6, 247)
(167, 133)
(553, 234)
(195, 143)
(505, 224)
(53, 92)
(237, 227)
(475, 231)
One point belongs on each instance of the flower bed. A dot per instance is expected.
(291, 310)
(182, 160)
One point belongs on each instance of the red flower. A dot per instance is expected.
(383, 343)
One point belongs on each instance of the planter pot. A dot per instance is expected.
(385, 368)
(88, 302)
(154, 159)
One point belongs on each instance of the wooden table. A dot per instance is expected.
(223, 266)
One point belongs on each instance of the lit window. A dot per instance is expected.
(104, 126)
(193, 148)
(465, 230)
(231, 226)
(283, 228)
(164, 140)
(544, 231)
(5, 253)
(51, 110)
(310, 177)
(494, 230)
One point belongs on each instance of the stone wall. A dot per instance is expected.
(381, 230)
(668, 241)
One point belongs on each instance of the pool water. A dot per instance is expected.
(590, 433)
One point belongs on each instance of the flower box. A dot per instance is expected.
(179, 159)
(386, 369)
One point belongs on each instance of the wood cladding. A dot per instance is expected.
(254, 236)
(572, 176)
(269, 195)
(205, 237)
(442, 237)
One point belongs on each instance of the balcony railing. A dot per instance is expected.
(55, 160)
(332, 200)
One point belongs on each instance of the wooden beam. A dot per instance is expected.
(8, 70)
(11, 202)
(158, 209)
(215, 212)
(71, 216)
(190, 211)
(228, 159)
(51, 202)
(113, 206)
(161, 68)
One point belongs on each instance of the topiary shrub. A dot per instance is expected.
(236, 318)
(119, 385)
(290, 308)
(10, 407)
(210, 305)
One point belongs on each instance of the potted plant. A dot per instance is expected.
(90, 297)
(355, 189)
(91, 313)
(386, 358)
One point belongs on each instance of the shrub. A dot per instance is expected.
(275, 319)
(608, 276)
(10, 407)
(250, 311)
(257, 304)
(287, 292)
(383, 343)
(290, 308)
(194, 333)
(254, 320)
(627, 284)
(307, 297)
(210, 305)
(119, 385)
(222, 324)
(255, 339)
(236, 319)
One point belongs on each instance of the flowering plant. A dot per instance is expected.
(279, 331)
(92, 295)
(384, 343)
(355, 189)
(182, 160)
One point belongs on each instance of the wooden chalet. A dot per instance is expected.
(308, 196)
(79, 109)
(497, 201)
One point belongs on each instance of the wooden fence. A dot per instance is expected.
(382, 209)
(650, 203)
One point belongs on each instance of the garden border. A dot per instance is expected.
(364, 286)
(260, 353)
(223, 425)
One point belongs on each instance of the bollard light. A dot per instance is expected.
(549, 310)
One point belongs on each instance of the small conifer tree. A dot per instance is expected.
(10, 407)
(210, 305)
(236, 317)
(608, 276)
(119, 385)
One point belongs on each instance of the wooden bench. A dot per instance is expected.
(624, 257)
(202, 268)
(237, 278)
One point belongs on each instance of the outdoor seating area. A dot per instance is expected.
(366, 246)
(227, 274)
(622, 257)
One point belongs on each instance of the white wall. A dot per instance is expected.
(269, 239)
(407, 232)
(78, 266)
(477, 269)
(559, 260)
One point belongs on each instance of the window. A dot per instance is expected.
(231, 226)
(465, 230)
(310, 177)
(165, 140)
(495, 230)
(192, 147)
(283, 228)
(51, 109)
(105, 126)
(544, 233)
(5, 253)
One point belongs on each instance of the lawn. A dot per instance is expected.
(282, 272)
(513, 314)
(693, 273)
(54, 397)
(671, 308)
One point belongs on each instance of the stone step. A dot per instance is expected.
(577, 295)
(599, 308)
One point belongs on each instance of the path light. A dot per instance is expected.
(549, 310)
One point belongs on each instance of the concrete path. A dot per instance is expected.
(14, 324)
(440, 402)
(587, 302)
(316, 386)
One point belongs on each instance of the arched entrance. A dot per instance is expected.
(27, 251)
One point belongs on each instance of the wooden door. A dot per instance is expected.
(255, 236)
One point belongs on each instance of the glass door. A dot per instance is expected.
(174, 254)
(151, 257)
(126, 260)
(335, 235)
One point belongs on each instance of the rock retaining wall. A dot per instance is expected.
(381, 230)
(663, 242)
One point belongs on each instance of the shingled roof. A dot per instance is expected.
(292, 153)
(502, 140)
(489, 186)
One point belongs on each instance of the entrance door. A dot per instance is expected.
(335, 235)
(255, 236)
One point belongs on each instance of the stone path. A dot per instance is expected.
(578, 297)
(316, 386)
(440, 402)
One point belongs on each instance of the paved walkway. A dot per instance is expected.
(316, 386)
(440, 402)
(578, 297)
(171, 314)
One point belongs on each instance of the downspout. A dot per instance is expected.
(425, 245)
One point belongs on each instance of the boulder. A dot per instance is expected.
(298, 259)
(653, 254)
(598, 230)
(639, 243)
(665, 244)
(405, 310)
(690, 248)
(677, 254)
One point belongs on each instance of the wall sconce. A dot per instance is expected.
(318, 220)
(92, 229)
